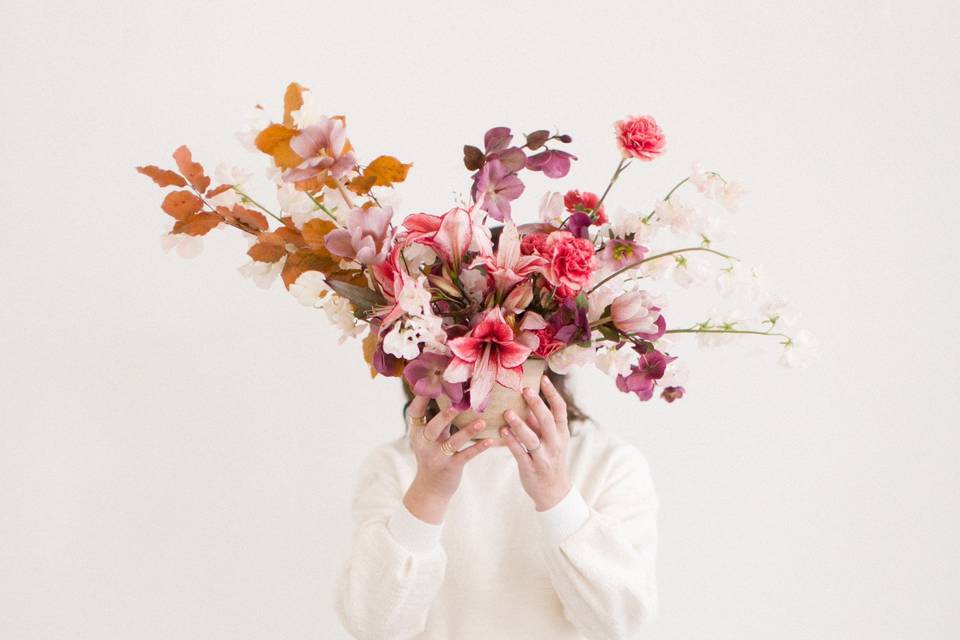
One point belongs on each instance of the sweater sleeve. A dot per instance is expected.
(396, 564)
(601, 557)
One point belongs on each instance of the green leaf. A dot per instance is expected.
(362, 298)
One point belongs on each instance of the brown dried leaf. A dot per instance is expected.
(314, 232)
(307, 260)
(292, 101)
(181, 204)
(250, 217)
(163, 177)
(264, 252)
(369, 348)
(198, 224)
(191, 170)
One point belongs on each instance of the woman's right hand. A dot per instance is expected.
(438, 474)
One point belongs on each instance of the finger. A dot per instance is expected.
(558, 406)
(548, 425)
(418, 407)
(439, 422)
(471, 452)
(460, 438)
(523, 432)
(524, 461)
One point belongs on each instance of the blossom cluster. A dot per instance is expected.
(454, 303)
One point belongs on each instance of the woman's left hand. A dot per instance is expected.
(539, 446)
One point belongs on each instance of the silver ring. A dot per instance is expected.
(534, 449)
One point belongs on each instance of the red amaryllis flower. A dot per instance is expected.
(640, 137)
(488, 354)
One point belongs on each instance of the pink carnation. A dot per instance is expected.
(571, 261)
(640, 137)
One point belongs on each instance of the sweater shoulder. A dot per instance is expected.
(607, 455)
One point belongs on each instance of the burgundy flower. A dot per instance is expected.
(672, 393)
(644, 375)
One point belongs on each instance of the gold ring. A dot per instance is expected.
(446, 448)
(534, 449)
(418, 421)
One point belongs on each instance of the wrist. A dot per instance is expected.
(552, 497)
(425, 502)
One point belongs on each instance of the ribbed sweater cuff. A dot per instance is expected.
(562, 519)
(411, 532)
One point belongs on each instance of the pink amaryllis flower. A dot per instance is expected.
(509, 266)
(322, 147)
(450, 235)
(487, 355)
(366, 238)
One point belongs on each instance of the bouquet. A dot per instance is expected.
(464, 303)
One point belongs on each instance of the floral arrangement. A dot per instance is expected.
(453, 303)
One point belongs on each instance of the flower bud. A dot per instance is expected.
(537, 139)
(444, 285)
(519, 298)
(633, 312)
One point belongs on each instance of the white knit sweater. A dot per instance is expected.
(496, 567)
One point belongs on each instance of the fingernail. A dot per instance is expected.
(478, 425)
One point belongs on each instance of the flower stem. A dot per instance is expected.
(322, 207)
(646, 219)
(346, 196)
(257, 204)
(624, 163)
(743, 331)
(659, 255)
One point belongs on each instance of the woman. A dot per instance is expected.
(449, 544)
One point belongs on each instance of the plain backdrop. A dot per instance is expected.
(178, 448)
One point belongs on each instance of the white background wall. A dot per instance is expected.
(178, 448)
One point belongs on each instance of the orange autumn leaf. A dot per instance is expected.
(263, 252)
(181, 204)
(369, 349)
(163, 177)
(273, 135)
(191, 170)
(314, 232)
(221, 189)
(197, 224)
(307, 260)
(361, 185)
(290, 235)
(384, 171)
(249, 217)
(292, 101)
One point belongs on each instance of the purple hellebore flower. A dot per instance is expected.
(553, 162)
(498, 187)
(366, 238)
(424, 374)
(619, 253)
(644, 375)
